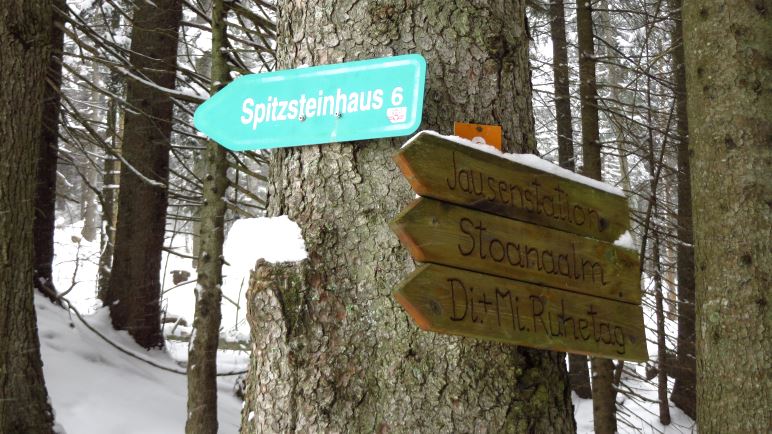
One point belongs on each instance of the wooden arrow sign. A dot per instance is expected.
(447, 300)
(446, 234)
(442, 169)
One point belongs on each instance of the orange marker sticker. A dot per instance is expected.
(479, 133)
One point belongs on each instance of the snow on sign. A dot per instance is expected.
(332, 103)
(517, 250)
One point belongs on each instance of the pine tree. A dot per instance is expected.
(332, 350)
(202, 356)
(730, 108)
(134, 292)
(25, 48)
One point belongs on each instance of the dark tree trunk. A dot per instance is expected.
(730, 107)
(134, 292)
(25, 52)
(202, 357)
(579, 373)
(45, 185)
(684, 368)
(562, 91)
(332, 351)
(603, 394)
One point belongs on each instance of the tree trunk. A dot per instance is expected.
(134, 292)
(579, 374)
(25, 48)
(332, 350)
(562, 91)
(202, 355)
(111, 171)
(603, 394)
(45, 186)
(684, 367)
(728, 82)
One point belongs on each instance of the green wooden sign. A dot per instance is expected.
(333, 103)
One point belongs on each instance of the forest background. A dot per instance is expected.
(101, 149)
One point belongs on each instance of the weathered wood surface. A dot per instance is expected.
(447, 234)
(452, 301)
(445, 170)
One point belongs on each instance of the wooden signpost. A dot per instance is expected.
(527, 258)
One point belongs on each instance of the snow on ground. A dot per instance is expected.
(635, 416)
(96, 389)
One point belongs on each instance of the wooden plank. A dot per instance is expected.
(458, 302)
(447, 234)
(451, 172)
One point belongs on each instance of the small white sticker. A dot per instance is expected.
(396, 114)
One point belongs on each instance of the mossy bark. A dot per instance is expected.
(24, 52)
(728, 79)
(332, 350)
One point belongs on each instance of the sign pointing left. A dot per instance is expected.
(333, 103)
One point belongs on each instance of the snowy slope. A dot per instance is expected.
(96, 389)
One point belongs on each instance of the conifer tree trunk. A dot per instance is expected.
(730, 108)
(684, 368)
(111, 171)
(134, 292)
(25, 48)
(578, 372)
(202, 356)
(332, 351)
(45, 186)
(603, 394)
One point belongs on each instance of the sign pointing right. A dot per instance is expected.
(448, 300)
(517, 250)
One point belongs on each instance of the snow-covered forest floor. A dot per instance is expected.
(96, 388)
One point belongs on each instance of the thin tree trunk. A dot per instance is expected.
(579, 373)
(202, 355)
(134, 292)
(685, 368)
(562, 91)
(603, 394)
(332, 351)
(25, 50)
(729, 106)
(663, 359)
(45, 186)
(111, 176)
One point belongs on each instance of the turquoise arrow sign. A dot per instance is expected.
(307, 106)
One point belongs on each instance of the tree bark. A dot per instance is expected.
(202, 355)
(562, 91)
(134, 292)
(729, 106)
(684, 368)
(603, 394)
(331, 349)
(579, 373)
(111, 170)
(25, 50)
(45, 185)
